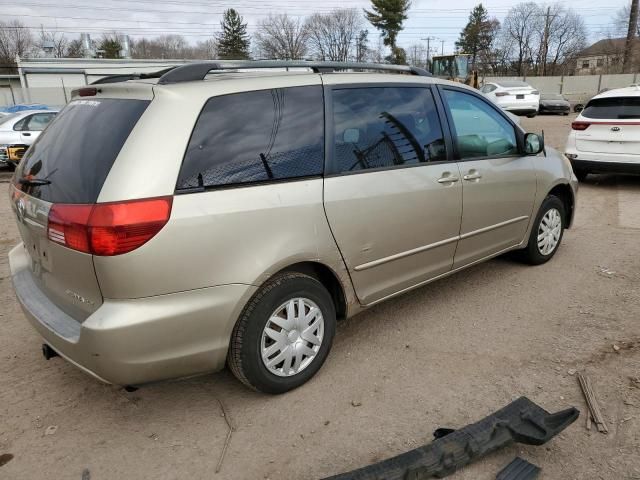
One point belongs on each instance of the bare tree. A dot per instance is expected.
(362, 46)
(206, 49)
(54, 42)
(281, 37)
(417, 55)
(521, 27)
(75, 49)
(332, 36)
(15, 40)
(566, 36)
(621, 23)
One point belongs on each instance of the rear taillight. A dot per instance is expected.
(580, 125)
(502, 94)
(108, 228)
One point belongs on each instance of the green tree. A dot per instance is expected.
(478, 35)
(388, 17)
(233, 41)
(110, 46)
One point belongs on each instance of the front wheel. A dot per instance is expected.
(284, 334)
(546, 233)
(581, 175)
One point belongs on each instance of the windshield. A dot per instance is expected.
(613, 108)
(76, 151)
(551, 96)
(7, 118)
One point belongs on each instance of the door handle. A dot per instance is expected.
(472, 176)
(27, 134)
(448, 179)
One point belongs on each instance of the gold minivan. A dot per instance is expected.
(232, 212)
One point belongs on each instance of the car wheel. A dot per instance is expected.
(565, 113)
(284, 334)
(578, 107)
(546, 233)
(531, 115)
(581, 175)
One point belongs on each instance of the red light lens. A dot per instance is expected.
(88, 92)
(108, 228)
(580, 125)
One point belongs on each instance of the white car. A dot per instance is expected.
(22, 128)
(513, 96)
(605, 137)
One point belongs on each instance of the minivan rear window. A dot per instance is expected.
(77, 150)
(613, 108)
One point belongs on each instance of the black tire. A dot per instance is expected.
(565, 113)
(531, 254)
(244, 357)
(581, 175)
(532, 115)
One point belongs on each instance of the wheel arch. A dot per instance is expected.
(564, 192)
(328, 278)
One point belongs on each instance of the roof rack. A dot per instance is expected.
(199, 70)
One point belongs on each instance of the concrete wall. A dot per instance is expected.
(579, 88)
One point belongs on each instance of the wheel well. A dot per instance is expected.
(329, 280)
(564, 193)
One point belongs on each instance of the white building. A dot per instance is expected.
(50, 80)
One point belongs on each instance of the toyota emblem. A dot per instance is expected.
(615, 129)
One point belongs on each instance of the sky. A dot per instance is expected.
(439, 20)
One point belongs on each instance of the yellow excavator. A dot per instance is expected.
(456, 68)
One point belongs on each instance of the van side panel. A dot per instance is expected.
(227, 236)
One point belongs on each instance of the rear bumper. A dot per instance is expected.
(136, 341)
(605, 167)
(521, 110)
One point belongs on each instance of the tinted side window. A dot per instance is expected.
(613, 108)
(39, 121)
(255, 137)
(385, 126)
(479, 130)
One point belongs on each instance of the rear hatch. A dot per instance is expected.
(609, 125)
(524, 94)
(62, 173)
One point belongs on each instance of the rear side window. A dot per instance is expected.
(382, 127)
(613, 108)
(254, 137)
(38, 121)
(78, 149)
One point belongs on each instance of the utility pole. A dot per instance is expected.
(631, 33)
(442, 51)
(428, 39)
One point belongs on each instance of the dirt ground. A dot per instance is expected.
(447, 354)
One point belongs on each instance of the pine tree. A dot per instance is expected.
(388, 17)
(233, 41)
(478, 35)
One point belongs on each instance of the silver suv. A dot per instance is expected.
(217, 215)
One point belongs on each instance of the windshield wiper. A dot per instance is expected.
(34, 182)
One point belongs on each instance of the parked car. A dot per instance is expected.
(554, 103)
(514, 96)
(21, 128)
(605, 137)
(276, 204)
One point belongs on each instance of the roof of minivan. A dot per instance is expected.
(620, 92)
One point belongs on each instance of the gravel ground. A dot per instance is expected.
(447, 354)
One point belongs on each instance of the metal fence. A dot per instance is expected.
(52, 96)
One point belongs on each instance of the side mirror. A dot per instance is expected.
(351, 135)
(533, 144)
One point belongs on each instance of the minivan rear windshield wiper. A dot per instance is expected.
(34, 182)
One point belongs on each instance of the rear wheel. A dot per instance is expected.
(546, 233)
(284, 334)
(531, 115)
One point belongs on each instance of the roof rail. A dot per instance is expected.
(199, 70)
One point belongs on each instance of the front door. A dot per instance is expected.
(498, 183)
(392, 199)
